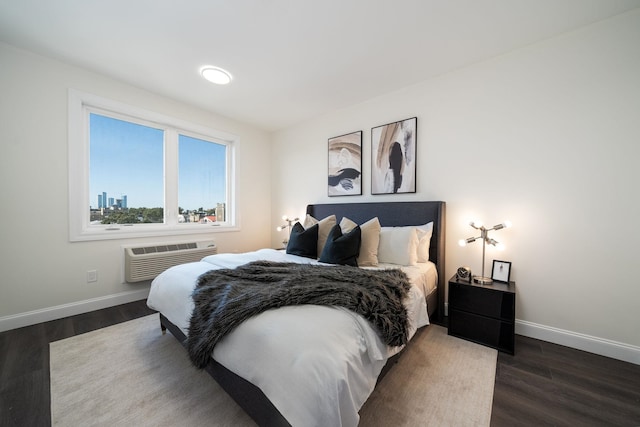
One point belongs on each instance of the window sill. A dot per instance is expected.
(123, 231)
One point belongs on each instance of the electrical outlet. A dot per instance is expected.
(92, 276)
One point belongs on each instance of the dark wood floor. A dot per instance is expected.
(24, 361)
(543, 384)
(546, 384)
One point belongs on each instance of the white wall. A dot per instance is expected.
(547, 136)
(43, 275)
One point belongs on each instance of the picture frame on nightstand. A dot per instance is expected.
(501, 271)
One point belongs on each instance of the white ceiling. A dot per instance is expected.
(291, 59)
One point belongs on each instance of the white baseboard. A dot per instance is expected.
(58, 312)
(601, 346)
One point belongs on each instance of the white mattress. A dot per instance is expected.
(315, 375)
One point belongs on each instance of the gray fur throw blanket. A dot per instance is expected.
(225, 298)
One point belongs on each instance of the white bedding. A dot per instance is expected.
(316, 364)
(423, 275)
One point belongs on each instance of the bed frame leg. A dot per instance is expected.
(164, 329)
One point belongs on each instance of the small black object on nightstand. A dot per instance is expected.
(463, 274)
(484, 314)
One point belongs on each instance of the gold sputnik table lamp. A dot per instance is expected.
(484, 235)
(287, 226)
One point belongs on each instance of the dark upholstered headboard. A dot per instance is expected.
(395, 214)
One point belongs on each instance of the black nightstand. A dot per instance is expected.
(484, 314)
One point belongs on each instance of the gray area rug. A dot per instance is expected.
(132, 375)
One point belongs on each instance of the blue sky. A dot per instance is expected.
(127, 159)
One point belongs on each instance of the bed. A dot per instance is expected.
(285, 339)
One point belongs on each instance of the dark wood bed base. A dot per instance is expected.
(248, 396)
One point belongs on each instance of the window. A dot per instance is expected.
(137, 173)
(201, 181)
(126, 167)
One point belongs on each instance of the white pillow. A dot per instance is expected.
(324, 227)
(398, 245)
(369, 242)
(424, 241)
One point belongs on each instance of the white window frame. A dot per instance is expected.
(81, 104)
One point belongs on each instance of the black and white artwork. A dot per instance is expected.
(345, 165)
(393, 157)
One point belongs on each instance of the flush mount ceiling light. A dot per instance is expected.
(216, 75)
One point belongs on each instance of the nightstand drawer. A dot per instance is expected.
(483, 330)
(482, 300)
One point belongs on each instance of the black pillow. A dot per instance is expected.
(342, 248)
(303, 242)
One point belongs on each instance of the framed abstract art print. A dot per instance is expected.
(393, 157)
(345, 165)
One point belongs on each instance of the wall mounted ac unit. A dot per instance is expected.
(146, 262)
